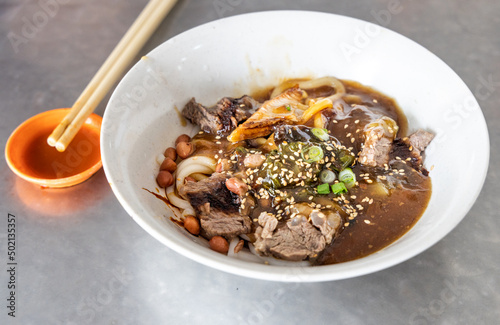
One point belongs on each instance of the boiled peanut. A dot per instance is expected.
(164, 178)
(237, 186)
(182, 138)
(192, 225)
(184, 149)
(219, 244)
(169, 165)
(170, 153)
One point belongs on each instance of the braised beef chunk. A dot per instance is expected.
(245, 107)
(223, 117)
(217, 207)
(294, 241)
(411, 148)
(378, 151)
(420, 140)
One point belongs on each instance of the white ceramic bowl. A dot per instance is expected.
(237, 55)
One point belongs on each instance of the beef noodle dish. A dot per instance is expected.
(321, 171)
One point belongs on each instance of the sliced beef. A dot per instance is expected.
(294, 240)
(378, 139)
(376, 153)
(223, 117)
(420, 140)
(410, 149)
(381, 150)
(217, 207)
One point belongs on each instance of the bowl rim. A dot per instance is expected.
(284, 273)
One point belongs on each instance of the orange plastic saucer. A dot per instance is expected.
(30, 157)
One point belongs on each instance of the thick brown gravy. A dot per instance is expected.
(388, 205)
(386, 219)
(391, 213)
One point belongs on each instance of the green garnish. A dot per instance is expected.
(321, 134)
(280, 169)
(241, 150)
(327, 176)
(323, 189)
(288, 108)
(346, 158)
(348, 177)
(338, 188)
(313, 153)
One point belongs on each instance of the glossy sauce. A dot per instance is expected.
(389, 208)
(44, 161)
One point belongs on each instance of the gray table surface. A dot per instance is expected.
(83, 260)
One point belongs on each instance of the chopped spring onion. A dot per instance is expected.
(346, 159)
(313, 153)
(240, 149)
(323, 189)
(327, 176)
(288, 107)
(347, 177)
(338, 188)
(321, 134)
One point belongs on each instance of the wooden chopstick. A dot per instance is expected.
(119, 59)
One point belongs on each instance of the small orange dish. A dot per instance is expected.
(30, 157)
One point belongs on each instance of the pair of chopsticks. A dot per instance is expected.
(123, 54)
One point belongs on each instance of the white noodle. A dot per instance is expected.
(200, 160)
(195, 164)
(187, 170)
(314, 83)
(198, 176)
